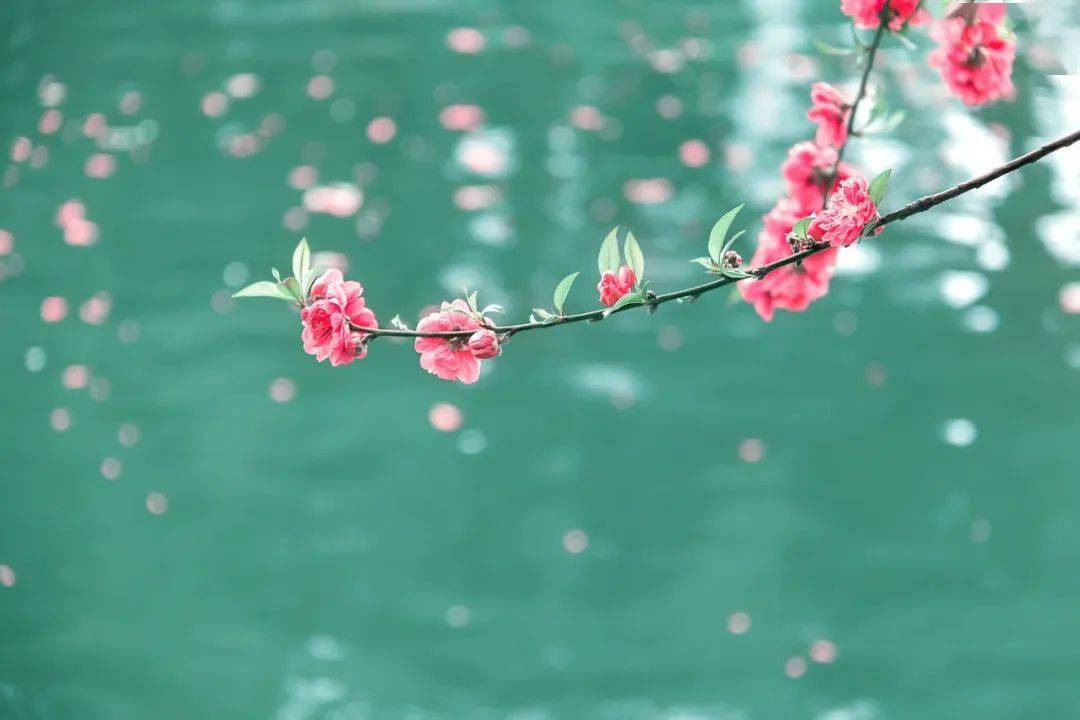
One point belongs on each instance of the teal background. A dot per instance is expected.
(335, 556)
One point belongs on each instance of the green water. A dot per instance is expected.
(892, 472)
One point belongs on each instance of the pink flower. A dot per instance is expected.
(806, 170)
(612, 287)
(830, 111)
(484, 344)
(867, 13)
(792, 287)
(783, 216)
(849, 210)
(974, 58)
(450, 358)
(334, 303)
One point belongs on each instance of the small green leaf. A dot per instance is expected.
(563, 289)
(471, 300)
(293, 286)
(800, 227)
(719, 232)
(313, 274)
(878, 186)
(265, 288)
(545, 316)
(608, 260)
(890, 123)
(634, 257)
(276, 274)
(301, 260)
(705, 262)
(877, 110)
(627, 299)
(730, 242)
(904, 40)
(735, 273)
(831, 50)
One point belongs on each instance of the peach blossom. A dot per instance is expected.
(792, 287)
(449, 358)
(830, 110)
(842, 222)
(612, 287)
(484, 344)
(867, 13)
(806, 170)
(973, 56)
(334, 303)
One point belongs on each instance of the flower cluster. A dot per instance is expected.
(334, 306)
(792, 287)
(812, 172)
(974, 55)
(457, 357)
(867, 13)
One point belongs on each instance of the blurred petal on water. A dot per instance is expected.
(54, 309)
(465, 40)
(445, 417)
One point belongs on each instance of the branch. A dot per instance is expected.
(914, 208)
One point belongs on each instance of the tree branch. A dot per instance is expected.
(914, 208)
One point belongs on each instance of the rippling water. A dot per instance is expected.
(864, 511)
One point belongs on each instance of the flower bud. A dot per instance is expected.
(731, 259)
(484, 344)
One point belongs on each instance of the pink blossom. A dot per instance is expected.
(830, 110)
(867, 13)
(974, 57)
(484, 344)
(849, 210)
(450, 358)
(806, 170)
(612, 287)
(782, 217)
(334, 303)
(792, 287)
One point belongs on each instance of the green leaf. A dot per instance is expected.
(877, 110)
(470, 298)
(563, 289)
(276, 274)
(608, 260)
(313, 274)
(705, 262)
(545, 316)
(301, 260)
(634, 257)
(800, 227)
(293, 286)
(878, 186)
(719, 232)
(627, 299)
(831, 50)
(735, 273)
(730, 242)
(891, 122)
(904, 40)
(265, 288)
